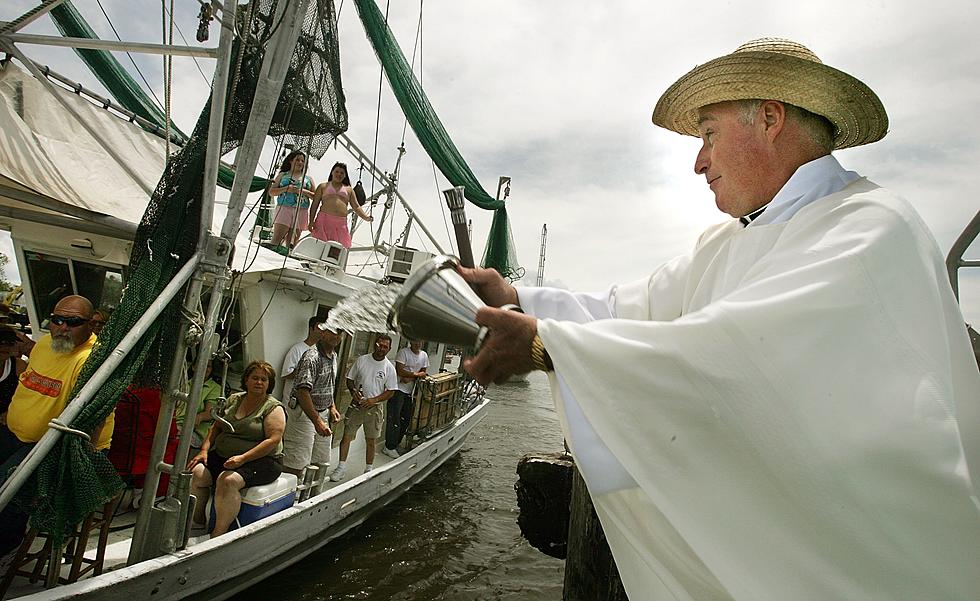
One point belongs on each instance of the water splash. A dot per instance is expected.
(366, 310)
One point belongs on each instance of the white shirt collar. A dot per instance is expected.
(816, 179)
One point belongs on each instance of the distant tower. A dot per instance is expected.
(544, 242)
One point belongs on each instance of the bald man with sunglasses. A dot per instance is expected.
(44, 390)
(50, 376)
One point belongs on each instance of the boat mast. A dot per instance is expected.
(544, 242)
(160, 526)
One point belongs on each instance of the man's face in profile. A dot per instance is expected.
(733, 158)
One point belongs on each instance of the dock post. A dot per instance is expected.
(590, 572)
(557, 517)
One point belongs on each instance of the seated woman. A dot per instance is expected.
(292, 199)
(250, 456)
(332, 199)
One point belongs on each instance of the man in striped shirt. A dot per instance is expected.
(310, 409)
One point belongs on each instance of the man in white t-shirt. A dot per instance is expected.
(411, 364)
(371, 381)
(292, 358)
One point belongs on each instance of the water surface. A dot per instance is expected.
(453, 536)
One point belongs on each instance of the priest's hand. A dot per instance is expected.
(507, 348)
(492, 288)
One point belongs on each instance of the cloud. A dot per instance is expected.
(558, 95)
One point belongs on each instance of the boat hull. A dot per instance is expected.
(219, 568)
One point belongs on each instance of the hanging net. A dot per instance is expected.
(74, 479)
(500, 253)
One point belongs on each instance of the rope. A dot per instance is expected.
(417, 47)
(377, 122)
(442, 206)
(59, 425)
(168, 68)
(194, 58)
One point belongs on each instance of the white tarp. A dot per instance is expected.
(45, 148)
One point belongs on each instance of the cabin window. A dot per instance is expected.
(53, 278)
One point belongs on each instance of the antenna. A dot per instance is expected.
(544, 243)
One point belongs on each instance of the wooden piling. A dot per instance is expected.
(590, 572)
(557, 517)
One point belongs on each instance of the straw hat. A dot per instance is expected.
(776, 69)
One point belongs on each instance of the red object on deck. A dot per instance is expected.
(136, 421)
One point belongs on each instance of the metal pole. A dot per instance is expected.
(200, 369)
(389, 202)
(216, 249)
(377, 173)
(97, 44)
(267, 91)
(139, 549)
(954, 258)
(219, 91)
(43, 446)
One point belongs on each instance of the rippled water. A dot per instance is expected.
(453, 536)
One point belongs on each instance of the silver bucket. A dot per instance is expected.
(436, 304)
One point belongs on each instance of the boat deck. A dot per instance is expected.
(120, 537)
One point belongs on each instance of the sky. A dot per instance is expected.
(557, 95)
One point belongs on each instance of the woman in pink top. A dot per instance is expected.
(332, 198)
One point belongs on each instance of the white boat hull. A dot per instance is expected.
(218, 568)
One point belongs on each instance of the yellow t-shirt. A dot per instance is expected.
(44, 388)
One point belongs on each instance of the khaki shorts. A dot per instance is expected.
(371, 418)
(301, 445)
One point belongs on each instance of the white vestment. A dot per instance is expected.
(789, 412)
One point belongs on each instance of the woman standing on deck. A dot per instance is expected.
(249, 455)
(332, 198)
(293, 199)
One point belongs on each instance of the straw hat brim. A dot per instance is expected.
(847, 102)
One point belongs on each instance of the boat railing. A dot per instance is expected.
(101, 375)
(955, 260)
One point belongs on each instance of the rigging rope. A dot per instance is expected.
(168, 66)
(416, 47)
(377, 121)
(194, 58)
(128, 54)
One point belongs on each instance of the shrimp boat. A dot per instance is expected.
(80, 198)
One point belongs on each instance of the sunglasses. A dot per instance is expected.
(71, 322)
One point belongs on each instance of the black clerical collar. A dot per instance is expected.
(747, 219)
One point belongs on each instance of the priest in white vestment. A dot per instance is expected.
(791, 410)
